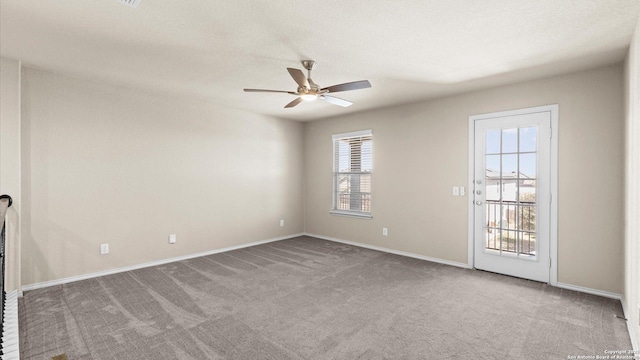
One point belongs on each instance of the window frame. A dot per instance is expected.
(336, 172)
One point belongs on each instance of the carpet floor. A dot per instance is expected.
(306, 298)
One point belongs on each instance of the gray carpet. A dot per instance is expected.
(306, 298)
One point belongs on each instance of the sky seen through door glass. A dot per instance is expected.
(516, 144)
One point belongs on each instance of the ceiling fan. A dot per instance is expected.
(308, 90)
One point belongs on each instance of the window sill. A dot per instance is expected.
(351, 214)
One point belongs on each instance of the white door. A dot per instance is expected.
(511, 194)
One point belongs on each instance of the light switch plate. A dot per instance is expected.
(456, 191)
(462, 193)
(172, 238)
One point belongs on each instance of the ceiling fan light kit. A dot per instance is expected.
(310, 91)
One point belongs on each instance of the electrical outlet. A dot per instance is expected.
(172, 238)
(104, 249)
(281, 222)
(385, 232)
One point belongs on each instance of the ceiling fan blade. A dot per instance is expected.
(363, 84)
(336, 101)
(299, 77)
(273, 91)
(293, 103)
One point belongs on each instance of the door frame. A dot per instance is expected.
(553, 183)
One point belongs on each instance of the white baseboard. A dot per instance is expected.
(392, 251)
(149, 264)
(591, 291)
(632, 335)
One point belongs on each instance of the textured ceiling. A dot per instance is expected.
(409, 50)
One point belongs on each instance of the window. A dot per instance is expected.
(352, 162)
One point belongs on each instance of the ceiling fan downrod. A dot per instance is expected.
(310, 65)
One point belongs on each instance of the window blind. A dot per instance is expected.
(352, 165)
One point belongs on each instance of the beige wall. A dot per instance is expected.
(632, 176)
(10, 165)
(107, 164)
(421, 151)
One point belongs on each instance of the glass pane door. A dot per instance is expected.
(510, 191)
